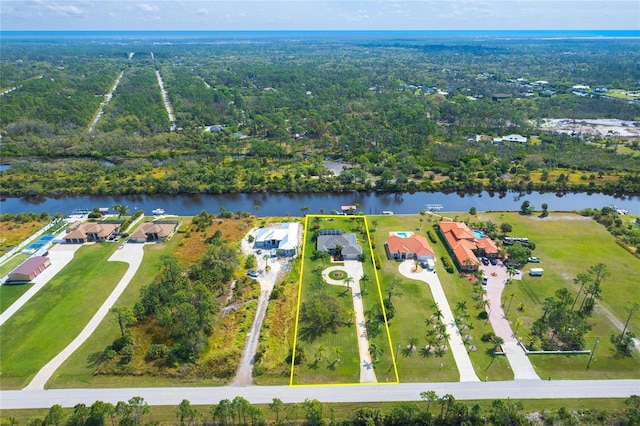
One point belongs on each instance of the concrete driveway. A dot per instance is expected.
(458, 349)
(353, 269)
(497, 277)
(131, 254)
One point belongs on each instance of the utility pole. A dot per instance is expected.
(593, 351)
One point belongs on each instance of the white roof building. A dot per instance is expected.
(284, 238)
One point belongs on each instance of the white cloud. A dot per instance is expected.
(147, 7)
(203, 11)
(62, 9)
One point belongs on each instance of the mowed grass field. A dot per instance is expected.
(55, 316)
(414, 304)
(78, 370)
(569, 244)
(347, 370)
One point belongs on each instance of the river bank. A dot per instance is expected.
(293, 204)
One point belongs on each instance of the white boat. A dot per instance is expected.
(387, 212)
(157, 212)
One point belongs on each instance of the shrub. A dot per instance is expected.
(157, 351)
(432, 236)
(376, 260)
(486, 337)
(446, 263)
(483, 315)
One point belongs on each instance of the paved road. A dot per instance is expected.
(516, 389)
(353, 268)
(60, 255)
(458, 350)
(131, 254)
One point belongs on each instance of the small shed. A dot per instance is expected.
(29, 269)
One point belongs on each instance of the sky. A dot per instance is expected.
(165, 15)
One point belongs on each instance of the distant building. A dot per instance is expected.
(285, 239)
(29, 269)
(515, 138)
(500, 96)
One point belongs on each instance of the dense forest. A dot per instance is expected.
(401, 113)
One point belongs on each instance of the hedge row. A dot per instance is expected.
(448, 266)
(432, 236)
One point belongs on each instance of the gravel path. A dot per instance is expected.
(131, 254)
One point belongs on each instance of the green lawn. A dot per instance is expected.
(12, 263)
(568, 244)
(347, 370)
(9, 293)
(77, 371)
(55, 316)
(415, 304)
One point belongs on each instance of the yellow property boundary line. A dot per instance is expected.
(384, 313)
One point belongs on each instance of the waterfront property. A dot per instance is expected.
(79, 233)
(285, 239)
(154, 231)
(29, 269)
(407, 245)
(339, 244)
(465, 246)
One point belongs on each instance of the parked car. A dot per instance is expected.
(484, 261)
(485, 280)
(533, 260)
(493, 261)
(252, 273)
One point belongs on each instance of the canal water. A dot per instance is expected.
(282, 204)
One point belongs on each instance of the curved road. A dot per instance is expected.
(516, 389)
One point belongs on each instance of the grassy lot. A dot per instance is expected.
(12, 263)
(568, 244)
(55, 316)
(9, 293)
(347, 370)
(415, 305)
(78, 370)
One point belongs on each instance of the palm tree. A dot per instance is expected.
(304, 210)
(416, 265)
(348, 281)
(351, 314)
(121, 209)
(375, 352)
(391, 290)
(413, 341)
(364, 279)
(438, 312)
(512, 296)
(256, 208)
(497, 342)
(319, 352)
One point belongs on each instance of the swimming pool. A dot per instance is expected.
(403, 234)
(479, 234)
(37, 246)
(47, 238)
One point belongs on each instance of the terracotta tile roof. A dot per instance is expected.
(463, 242)
(416, 244)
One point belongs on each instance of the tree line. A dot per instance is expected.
(432, 410)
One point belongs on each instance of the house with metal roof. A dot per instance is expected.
(339, 244)
(285, 239)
